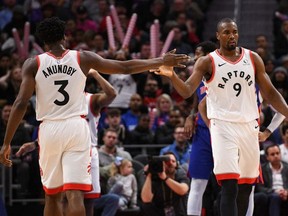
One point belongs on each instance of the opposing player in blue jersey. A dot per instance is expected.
(201, 160)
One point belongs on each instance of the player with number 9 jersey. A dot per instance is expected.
(235, 85)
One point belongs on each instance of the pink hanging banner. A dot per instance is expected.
(18, 42)
(167, 42)
(157, 35)
(153, 41)
(115, 18)
(26, 40)
(110, 32)
(37, 48)
(129, 32)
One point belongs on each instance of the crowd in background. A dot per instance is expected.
(147, 109)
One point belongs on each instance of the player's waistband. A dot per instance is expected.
(55, 120)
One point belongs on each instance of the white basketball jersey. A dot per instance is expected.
(125, 86)
(231, 92)
(60, 85)
(92, 120)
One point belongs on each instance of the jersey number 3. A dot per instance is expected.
(63, 84)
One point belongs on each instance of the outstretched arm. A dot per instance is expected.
(107, 66)
(187, 88)
(100, 100)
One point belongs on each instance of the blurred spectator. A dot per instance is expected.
(180, 147)
(165, 192)
(21, 136)
(269, 66)
(281, 42)
(191, 9)
(160, 114)
(150, 93)
(130, 118)
(125, 85)
(88, 42)
(179, 43)
(107, 204)
(10, 84)
(18, 21)
(108, 153)
(279, 79)
(83, 21)
(113, 118)
(275, 185)
(100, 45)
(144, 53)
(165, 133)
(6, 12)
(263, 47)
(141, 134)
(123, 183)
(109, 150)
(188, 28)
(148, 11)
(98, 10)
(5, 62)
(284, 146)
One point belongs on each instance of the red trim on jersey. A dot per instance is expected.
(70, 186)
(74, 186)
(78, 57)
(213, 69)
(38, 62)
(226, 176)
(53, 191)
(227, 60)
(56, 57)
(260, 177)
(252, 60)
(92, 196)
(247, 180)
(91, 107)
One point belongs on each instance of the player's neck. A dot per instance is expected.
(56, 48)
(230, 53)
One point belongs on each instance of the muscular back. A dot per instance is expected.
(59, 87)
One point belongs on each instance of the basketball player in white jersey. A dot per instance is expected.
(95, 103)
(230, 74)
(58, 78)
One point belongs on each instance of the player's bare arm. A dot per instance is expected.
(267, 89)
(189, 125)
(102, 99)
(187, 88)
(202, 107)
(19, 107)
(108, 66)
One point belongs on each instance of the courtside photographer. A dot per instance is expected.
(164, 193)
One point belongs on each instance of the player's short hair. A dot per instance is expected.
(224, 20)
(51, 30)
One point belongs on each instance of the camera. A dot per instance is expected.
(156, 163)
